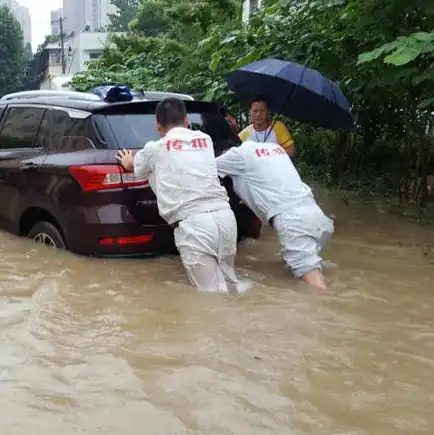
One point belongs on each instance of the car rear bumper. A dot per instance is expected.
(124, 240)
(110, 230)
(95, 233)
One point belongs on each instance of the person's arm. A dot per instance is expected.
(144, 161)
(230, 163)
(244, 134)
(141, 163)
(284, 137)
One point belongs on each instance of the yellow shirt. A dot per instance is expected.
(279, 134)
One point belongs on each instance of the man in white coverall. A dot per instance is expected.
(181, 170)
(265, 178)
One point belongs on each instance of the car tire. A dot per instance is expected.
(47, 234)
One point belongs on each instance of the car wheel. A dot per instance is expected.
(47, 234)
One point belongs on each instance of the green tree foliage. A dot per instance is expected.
(379, 51)
(126, 11)
(163, 46)
(185, 19)
(405, 50)
(152, 19)
(11, 52)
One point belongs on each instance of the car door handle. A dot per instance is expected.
(29, 167)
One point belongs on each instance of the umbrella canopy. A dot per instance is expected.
(295, 91)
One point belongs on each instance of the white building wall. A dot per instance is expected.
(79, 49)
(80, 13)
(105, 10)
(77, 14)
(68, 8)
(248, 8)
(55, 24)
(26, 24)
(85, 47)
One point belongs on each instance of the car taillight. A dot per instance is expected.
(103, 177)
(132, 240)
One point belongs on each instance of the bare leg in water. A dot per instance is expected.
(315, 278)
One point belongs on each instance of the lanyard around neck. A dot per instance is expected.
(266, 134)
(268, 130)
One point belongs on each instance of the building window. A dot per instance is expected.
(55, 57)
(94, 55)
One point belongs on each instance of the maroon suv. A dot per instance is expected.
(61, 185)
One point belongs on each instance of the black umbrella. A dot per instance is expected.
(295, 91)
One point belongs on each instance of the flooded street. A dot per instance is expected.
(127, 347)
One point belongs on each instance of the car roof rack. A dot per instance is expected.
(67, 95)
(155, 95)
(84, 96)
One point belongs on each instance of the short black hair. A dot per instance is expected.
(259, 99)
(171, 111)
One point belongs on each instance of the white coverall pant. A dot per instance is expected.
(207, 243)
(303, 234)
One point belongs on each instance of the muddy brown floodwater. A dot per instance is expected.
(127, 347)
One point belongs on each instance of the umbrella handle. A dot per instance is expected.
(274, 120)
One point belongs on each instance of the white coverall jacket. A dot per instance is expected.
(265, 178)
(181, 170)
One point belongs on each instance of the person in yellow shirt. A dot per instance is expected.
(264, 129)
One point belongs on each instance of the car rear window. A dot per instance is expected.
(134, 130)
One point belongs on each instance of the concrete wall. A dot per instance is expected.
(55, 24)
(79, 49)
(248, 7)
(82, 13)
(84, 47)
